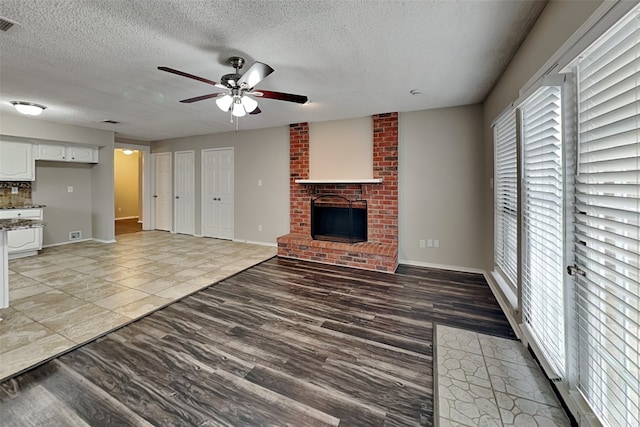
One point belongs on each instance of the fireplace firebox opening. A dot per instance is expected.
(337, 219)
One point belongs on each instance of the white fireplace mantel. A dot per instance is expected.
(340, 181)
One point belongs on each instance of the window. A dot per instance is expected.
(607, 224)
(573, 154)
(542, 267)
(506, 197)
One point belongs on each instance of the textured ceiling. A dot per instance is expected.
(91, 60)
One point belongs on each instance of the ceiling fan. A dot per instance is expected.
(238, 88)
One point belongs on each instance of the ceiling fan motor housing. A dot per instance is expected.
(230, 80)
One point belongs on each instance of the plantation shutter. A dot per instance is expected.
(607, 225)
(506, 197)
(542, 219)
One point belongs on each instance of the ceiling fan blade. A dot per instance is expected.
(300, 99)
(255, 74)
(200, 98)
(256, 111)
(189, 76)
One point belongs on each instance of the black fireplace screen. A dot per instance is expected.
(338, 219)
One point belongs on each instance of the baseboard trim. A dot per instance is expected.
(441, 266)
(505, 306)
(128, 217)
(70, 242)
(104, 241)
(255, 242)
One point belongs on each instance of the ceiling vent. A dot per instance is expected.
(5, 24)
(112, 122)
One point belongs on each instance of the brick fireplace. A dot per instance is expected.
(380, 251)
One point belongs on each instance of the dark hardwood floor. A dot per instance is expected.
(124, 226)
(282, 343)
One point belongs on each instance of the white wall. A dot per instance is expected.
(258, 155)
(96, 207)
(440, 183)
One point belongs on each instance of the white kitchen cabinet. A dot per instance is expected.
(67, 153)
(17, 161)
(26, 241)
(51, 152)
(82, 154)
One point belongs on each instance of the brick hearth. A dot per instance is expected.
(380, 252)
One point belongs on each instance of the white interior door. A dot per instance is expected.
(162, 191)
(217, 193)
(184, 192)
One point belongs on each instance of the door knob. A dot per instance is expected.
(155, 196)
(177, 197)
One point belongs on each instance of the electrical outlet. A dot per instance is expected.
(436, 243)
(259, 227)
(119, 209)
(422, 245)
(430, 243)
(70, 189)
(14, 190)
(259, 183)
(75, 235)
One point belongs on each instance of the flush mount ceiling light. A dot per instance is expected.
(127, 151)
(28, 108)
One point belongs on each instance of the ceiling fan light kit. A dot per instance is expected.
(224, 102)
(239, 87)
(249, 104)
(238, 109)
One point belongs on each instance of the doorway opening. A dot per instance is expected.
(131, 188)
(127, 191)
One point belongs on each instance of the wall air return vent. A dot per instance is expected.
(5, 24)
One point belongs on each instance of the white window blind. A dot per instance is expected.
(607, 225)
(542, 267)
(506, 197)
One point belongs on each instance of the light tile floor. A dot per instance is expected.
(68, 295)
(489, 381)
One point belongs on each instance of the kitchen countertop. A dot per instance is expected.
(19, 224)
(23, 207)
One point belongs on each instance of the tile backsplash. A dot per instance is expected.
(23, 197)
